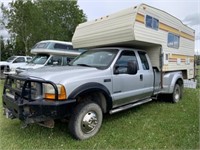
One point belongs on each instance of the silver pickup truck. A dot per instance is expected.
(99, 81)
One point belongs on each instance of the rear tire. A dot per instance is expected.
(86, 120)
(177, 93)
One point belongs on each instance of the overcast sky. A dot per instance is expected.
(186, 10)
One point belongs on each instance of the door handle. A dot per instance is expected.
(141, 77)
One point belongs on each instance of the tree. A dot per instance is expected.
(32, 21)
(60, 18)
(19, 20)
(5, 49)
(197, 59)
(2, 47)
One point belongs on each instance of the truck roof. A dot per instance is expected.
(56, 52)
(55, 41)
(119, 48)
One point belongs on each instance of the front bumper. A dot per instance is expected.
(33, 111)
(37, 111)
(9, 72)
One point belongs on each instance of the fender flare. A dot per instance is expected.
(171, 79)
(92, 87)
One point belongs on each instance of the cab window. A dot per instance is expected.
(143, 58)
(19, 60)
(28, 59)
(67, 60)
(55, 61)
(121, 66)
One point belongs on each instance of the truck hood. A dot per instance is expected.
(4, 63)
(56, 74)
(31, 66)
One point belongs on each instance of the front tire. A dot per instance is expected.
(86, 120)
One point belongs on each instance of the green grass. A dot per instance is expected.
(156, 125)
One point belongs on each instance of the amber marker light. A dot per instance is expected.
(49, 92)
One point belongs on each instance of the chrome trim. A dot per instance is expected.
(129, 106)
(89, 122)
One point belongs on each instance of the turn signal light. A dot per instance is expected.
(50, 92)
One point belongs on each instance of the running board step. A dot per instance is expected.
(118, 109)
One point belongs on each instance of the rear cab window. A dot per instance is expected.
(144, 61)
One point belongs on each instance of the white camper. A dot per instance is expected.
(168, 42)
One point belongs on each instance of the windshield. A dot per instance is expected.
(10, 58)
(95, 58)
(40, 59)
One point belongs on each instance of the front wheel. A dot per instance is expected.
(86, 120)
(177, 93)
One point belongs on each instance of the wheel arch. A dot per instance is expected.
(170, 80)
(97, 90)
(176, 80)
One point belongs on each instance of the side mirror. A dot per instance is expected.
(132, 67)
(116, 69)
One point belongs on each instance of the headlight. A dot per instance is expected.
(49, 92)
(19, 84)
(16, 84)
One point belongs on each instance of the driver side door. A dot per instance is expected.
(127, 87)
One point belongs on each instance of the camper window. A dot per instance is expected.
(173, 40)
(152, 22)
(63, 46)
(41, 45)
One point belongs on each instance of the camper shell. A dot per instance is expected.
(168, 42)
(50, 53)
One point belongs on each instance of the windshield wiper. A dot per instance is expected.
(85, 65)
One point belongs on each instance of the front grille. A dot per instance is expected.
(6, 69)
(21, 87)
(25, 88)
(12, 87)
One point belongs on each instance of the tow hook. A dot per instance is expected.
(8, 113)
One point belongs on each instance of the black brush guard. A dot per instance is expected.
(21, 105)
